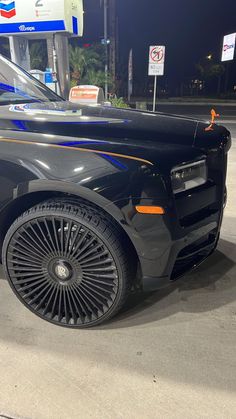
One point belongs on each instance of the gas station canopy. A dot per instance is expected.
(32, 17)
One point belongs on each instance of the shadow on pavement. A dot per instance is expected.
(205, 289)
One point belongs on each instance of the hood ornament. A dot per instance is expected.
(214, 115)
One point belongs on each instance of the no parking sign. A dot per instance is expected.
(156, 60)
(156, 66)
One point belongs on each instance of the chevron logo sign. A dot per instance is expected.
(7, 8)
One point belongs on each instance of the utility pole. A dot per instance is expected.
(113, 27)
(106, 41)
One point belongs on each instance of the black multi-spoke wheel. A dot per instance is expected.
(65, 262)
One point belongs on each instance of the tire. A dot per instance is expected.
(65, 261)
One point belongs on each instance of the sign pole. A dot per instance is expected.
(155, 94)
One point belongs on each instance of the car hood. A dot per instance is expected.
(99, 122)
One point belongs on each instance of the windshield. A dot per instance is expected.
(17, 86)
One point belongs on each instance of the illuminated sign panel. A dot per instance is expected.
(41, 16)
(228, 47)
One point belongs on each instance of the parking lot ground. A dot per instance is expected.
(170, 354)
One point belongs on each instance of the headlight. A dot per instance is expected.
(189, 176)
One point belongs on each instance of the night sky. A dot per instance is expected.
(190, 29)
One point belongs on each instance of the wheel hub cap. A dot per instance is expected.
(63, 270)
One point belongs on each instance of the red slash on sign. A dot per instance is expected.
(157, 54)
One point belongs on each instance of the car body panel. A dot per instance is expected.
(117, 159)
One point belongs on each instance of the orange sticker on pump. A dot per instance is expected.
(78, 93)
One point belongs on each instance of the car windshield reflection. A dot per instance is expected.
(17, 86)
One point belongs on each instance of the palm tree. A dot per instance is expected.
(97, 78)
(82, 60)
(211, 70)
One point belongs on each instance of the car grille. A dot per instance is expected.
(194, 206)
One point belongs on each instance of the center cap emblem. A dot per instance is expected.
(62, 271)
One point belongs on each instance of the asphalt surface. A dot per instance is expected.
(169, 354)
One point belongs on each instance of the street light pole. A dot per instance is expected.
(106, 46)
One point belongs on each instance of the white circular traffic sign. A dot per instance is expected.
(157, 55)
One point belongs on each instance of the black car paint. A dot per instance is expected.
(117, 159)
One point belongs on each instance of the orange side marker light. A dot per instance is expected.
(149, 209)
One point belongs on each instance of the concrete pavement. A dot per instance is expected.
(170, 354)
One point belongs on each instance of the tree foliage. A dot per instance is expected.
(87, 65)
(118, 102)
(97, 78)
(210, 70)
(82, 60)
